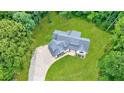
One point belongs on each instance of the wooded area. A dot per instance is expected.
(15, 40)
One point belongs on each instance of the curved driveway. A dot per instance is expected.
(40, 63)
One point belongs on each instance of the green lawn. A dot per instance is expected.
(72, 68)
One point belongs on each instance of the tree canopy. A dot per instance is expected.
(14, 42)
(25, 19)
(112, 64)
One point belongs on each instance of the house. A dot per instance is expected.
(65, 41)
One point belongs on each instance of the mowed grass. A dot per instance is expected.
(72, 68)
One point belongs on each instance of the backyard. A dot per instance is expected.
(72, 68)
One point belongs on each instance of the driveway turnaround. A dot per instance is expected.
(41, 62)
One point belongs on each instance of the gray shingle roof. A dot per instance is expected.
(74, 33)
(67, 40)
(85, 44)
(56, 47)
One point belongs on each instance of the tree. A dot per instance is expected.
(119, 26)
(6, 15)
(67, 14)
(91, 16)
(25, 19)
(112, 63)
(1, 72)
(37, 15)
(112, 66)
(118, 37)
(103, 19)
(15, 40)
(14, 43)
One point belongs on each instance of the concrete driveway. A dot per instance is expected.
(41, 62)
